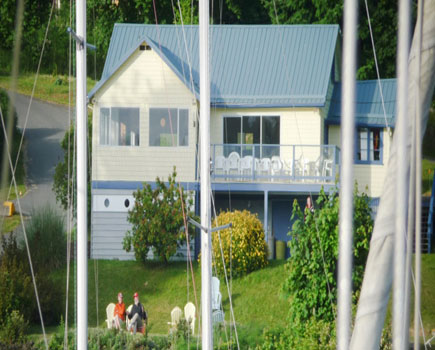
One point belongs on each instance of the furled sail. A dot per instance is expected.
(378, 275)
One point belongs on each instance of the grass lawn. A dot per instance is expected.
(48, 88)
(256, 297)
(10, 223)
(428, 173)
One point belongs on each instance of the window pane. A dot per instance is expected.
(163, 127)
(270, 130)
(184, 127)
(362, 144)
(104, 126)
(251, 130)
(232, 130)
(127, 126)
(375, 145)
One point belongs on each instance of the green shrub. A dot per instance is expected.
(312, 334)
(14, 329)
(312, 268)
(156, 218)
(47, 240)
(16, 289)
(243, 243)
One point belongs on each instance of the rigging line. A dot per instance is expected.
(23, 227)
(186, 228)
(377, 67)
(69, 213)
(223, 261)
(33, 91)
(418, 175)
(302, 155)
(225, 274)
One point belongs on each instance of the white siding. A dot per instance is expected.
(367, 175)
(144, 81)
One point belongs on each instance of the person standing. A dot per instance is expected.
(119, 313)
(137, 315)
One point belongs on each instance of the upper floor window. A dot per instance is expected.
(169, 127)
(369, 146)
(247, 130)
(119, 126)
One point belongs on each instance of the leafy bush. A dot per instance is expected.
(16, 289)
(243, 243)
(14, 328)
(311, 284)
(312, 268)
(157, 217)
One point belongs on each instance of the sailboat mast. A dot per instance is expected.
(82, 237)
(345, 262)
(204, 74)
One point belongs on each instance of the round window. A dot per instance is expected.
(127, 203)
(106, 202)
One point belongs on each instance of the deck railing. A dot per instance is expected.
(274, 163)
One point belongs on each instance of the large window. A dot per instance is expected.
(369, 145)
(242, 132)
(119, 126)
(169, 127)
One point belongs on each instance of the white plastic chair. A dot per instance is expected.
(218, 316)
(127, 320)
(216, 296)
(265, 166)
(276, 165)
(190, 314)
(176, 314)
(233, 162)
(246, 165)
(220, 165)
(327, 167)
(109, 313)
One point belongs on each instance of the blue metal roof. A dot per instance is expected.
(369, 110)
(252, 65)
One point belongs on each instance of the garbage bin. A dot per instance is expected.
(280, 250)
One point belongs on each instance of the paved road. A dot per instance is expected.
(45, 129)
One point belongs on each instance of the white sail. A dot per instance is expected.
(378, 275)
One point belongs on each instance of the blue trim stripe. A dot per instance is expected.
(221, 187)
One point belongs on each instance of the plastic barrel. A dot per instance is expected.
(280, 250)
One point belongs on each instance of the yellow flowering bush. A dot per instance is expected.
(244, 242)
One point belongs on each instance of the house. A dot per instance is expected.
(275, 121)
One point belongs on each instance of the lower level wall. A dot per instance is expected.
(109, 225)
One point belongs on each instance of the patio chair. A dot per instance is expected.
(327, 167)
(176, 314)
(276, 165)
(216, 296)
(233, 162)
(220, 165)
(190, 314)
(109, 313)
(128, 322)
(246, 165)
(218, 316)
(265, 166)
(288, 167)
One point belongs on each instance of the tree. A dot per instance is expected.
(383, 20)
(64, 177)
(157, 217)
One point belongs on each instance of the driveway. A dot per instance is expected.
(45, 129)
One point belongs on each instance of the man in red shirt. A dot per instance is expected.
(119, 313)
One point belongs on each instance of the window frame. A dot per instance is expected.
(178, 125)
(110, 116)
(258, 115)
(370, 129)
